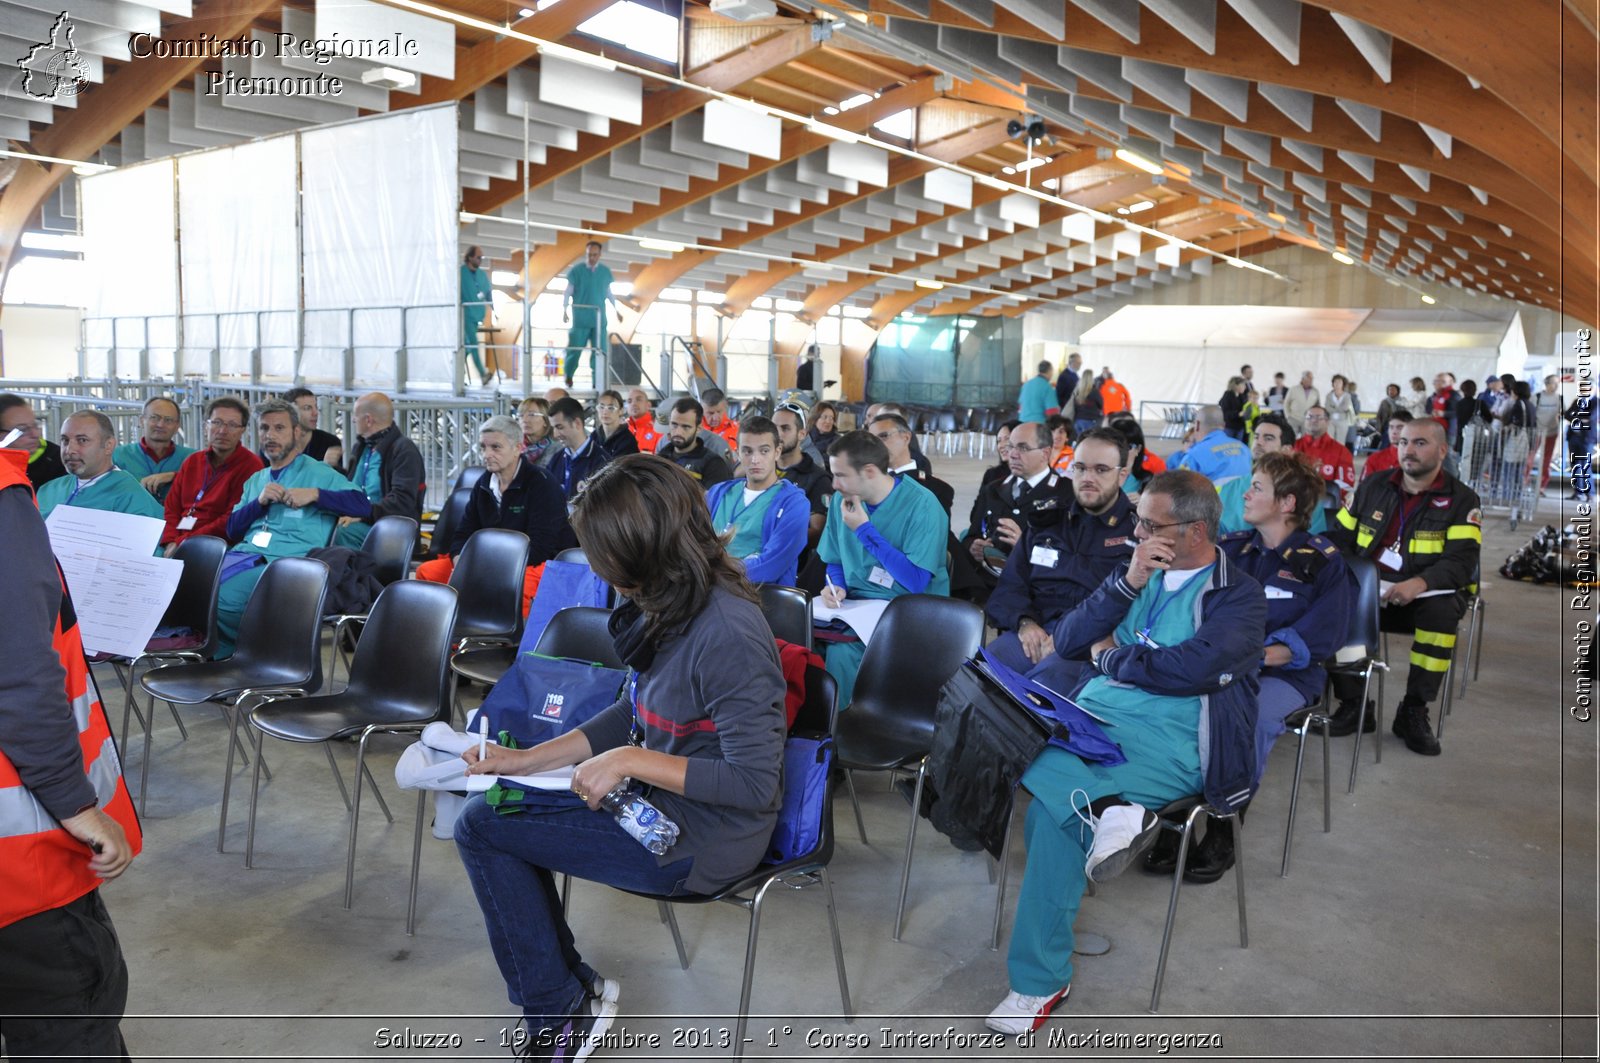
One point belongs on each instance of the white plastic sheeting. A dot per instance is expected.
(237, 211)
(1187, 353)
(380, 214)
(130, 256)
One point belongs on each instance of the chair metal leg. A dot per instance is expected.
(1479, 609)
(1327, 774)
(1184, 834)
(749, 968)
(1466, 659)
(255, 791)
(911, 840)
(227, 776)
(338, 776)
(670, 917)
(850, 784)
(355, 817)
(377, 793)
(416, 863)
(183, 732)
(1000, 886)
(1294, 794)
(838, 949)
(144, 768)
(1447, 686)
(1238, 872)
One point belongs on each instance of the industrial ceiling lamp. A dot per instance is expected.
(1029, 129)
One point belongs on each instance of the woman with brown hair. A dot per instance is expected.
(823, 426)
(700, 732)
(611, 432)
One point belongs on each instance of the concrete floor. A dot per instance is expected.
(1450, 913)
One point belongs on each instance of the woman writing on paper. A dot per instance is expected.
(705, 717)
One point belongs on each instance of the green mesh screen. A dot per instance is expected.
(946, 360)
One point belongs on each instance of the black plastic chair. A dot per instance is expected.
(581, 633)
(1364, 633)
(470, 475)
(818, 710)
(788, 612)
(488, 578)
(390, 544)
(444, 526)
(573, 555)
(278, 652)
(194, 606)
(399, 683)
(918, 645)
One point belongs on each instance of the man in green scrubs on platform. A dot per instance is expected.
(885, 536)
(477, 294)
(287, 509)
(92, 482)
(154, 458)
(584, 306)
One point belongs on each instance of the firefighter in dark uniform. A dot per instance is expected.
(1309, 593)
(1000, 512)
(1067, 550)
(1421, 526)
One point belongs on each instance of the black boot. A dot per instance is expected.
(1162, 857)
(1411, 727)
(1343, 722)
(1214, 855)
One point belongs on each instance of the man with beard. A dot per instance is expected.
(796, 466)
(688, 450)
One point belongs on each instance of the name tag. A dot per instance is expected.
(880, 577)
(261, 539)
(1044, 556)
(187, 523)
(1391, 559)
(1279, 592)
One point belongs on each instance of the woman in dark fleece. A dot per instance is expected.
(706, 707)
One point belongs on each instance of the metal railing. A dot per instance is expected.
(1174, 417)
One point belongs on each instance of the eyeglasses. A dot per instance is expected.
(1141, 522)
(1078, 468)
(156, 418)
(230, 426)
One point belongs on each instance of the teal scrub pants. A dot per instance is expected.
(352, 535)
(579, 337)
(844, 661)
(1156, 773)
(232, 597)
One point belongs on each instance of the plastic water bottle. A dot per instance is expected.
(640, 819)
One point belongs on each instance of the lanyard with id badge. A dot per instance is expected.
(1164, 598)
(263, 538)
(1390, 558)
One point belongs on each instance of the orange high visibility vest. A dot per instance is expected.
(42, 866)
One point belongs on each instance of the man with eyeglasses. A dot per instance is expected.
(155, 458)
(1272, 434)
(1000, 510)
(210, 482)
(1070, 543)
(1215, 455)
(87, 441)
(580, 456)
(1174, 637)
(1332, 458)
(895, 433)
(44, 457)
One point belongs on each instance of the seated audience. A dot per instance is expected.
(1272, 435)
(642, 421)
(44, 457)
(886, 536)
(765, 515)
(155, 458)
(1060, 442)
(1000, 512)
(686, 449)
(580, 457)
(702, 731)
(823, 428)
(1175, 642)
(1331, 458)
(211, 482)
(715, 404)
(1002, 452)
(894, 409)
(287, 509)
(88, 440)
(1388, 458)
(1215, 454)
(511, 494)
(385, 466)
(320, 446)
(1143, 463)
(896, 435)
(539, 447)
(1421, 526)
(611, 431)
(1069, 545)
(796, 466)
(1309, 596)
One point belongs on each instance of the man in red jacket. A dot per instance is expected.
(210, 481)
(1331, 457)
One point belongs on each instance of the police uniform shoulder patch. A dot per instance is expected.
(1237, 537)
(1321, 544)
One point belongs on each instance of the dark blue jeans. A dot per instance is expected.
(512, 861)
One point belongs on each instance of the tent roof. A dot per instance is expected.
(1281, 327)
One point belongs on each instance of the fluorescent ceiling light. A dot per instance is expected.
(1235, 263)
(1031, 163)
(1343, 259)
(854, 101)
(525, 12)
(1008, 169)
(932, 286)
(1429, 299)
(830, 110)
(1051, 183)
(1134, 159)
(1080, 308)
(577, 55)
(38, 241)
(1135, 208)
(661, 245)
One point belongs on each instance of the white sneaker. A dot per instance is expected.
(602, 988)
(1121, 836)
(1018, 1014)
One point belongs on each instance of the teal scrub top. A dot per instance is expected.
(367, 474)
(295, 532)
(744, 521)
(132, 459)
(913, 522)
(115, 492)
(475, 288)
(590, 288)
(1038, 395)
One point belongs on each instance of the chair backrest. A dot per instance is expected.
(450, 517)
(1363, 630)
(573, 555)
(788, 612)
(280, 633)
(390, 544)
(488, 580)
(580, 633)
(194, 603)
(401, 668)
(470, 475)
(918, 645)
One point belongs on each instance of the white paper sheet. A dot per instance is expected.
(118, 590)
(1384, 587)
(862, 614)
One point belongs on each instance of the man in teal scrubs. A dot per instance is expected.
(1038, 399)
(476, 296)
(885, 536)
(287, 509)
(92, 482)
(155, 458)
(588, 292)
(767, 516)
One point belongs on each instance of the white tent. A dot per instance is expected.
(1187, 353)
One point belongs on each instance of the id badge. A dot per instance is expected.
(261, 539)
(1044, 556)
(1391, 559)
(187, 523)
(880, 577)
(1144, 637)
